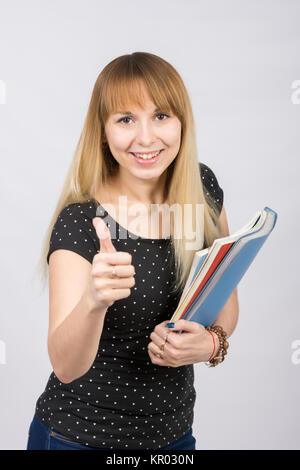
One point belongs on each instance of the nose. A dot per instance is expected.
(145, 135)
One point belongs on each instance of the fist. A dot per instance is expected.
(105, 286)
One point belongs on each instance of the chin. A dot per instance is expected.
(147, 173)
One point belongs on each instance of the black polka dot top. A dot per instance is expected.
(124, 401)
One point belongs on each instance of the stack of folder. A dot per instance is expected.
(217, 270)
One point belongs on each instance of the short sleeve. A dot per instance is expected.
(211, 186)
(74, 231)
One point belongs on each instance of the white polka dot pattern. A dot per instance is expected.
(124, 401)
(211, 186)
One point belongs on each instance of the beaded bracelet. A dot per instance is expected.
(213, 338)
(222, 351)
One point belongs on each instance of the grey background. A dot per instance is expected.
(238, 60)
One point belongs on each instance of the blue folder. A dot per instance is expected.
(229, 273)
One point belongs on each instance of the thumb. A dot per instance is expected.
(103, 234)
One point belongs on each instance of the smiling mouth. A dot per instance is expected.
(146, 155)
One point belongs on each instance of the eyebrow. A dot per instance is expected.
(129, 112)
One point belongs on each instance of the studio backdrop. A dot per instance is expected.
(239, 60)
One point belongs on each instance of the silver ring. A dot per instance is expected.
(158, 355)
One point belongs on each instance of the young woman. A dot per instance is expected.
(121, 378)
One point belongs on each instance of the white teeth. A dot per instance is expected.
(146, 156)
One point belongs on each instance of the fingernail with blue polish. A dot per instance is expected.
(170, 325)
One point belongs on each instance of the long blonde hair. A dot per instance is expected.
(117, 87)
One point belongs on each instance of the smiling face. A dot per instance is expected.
(143, 131)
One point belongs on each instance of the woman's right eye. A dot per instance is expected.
(122, 119)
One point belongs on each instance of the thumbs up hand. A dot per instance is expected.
(105, 286)
(103, 234)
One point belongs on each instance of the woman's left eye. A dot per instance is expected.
(162, 114)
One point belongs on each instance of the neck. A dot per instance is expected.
(137, 190)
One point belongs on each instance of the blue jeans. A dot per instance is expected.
(41, 437)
